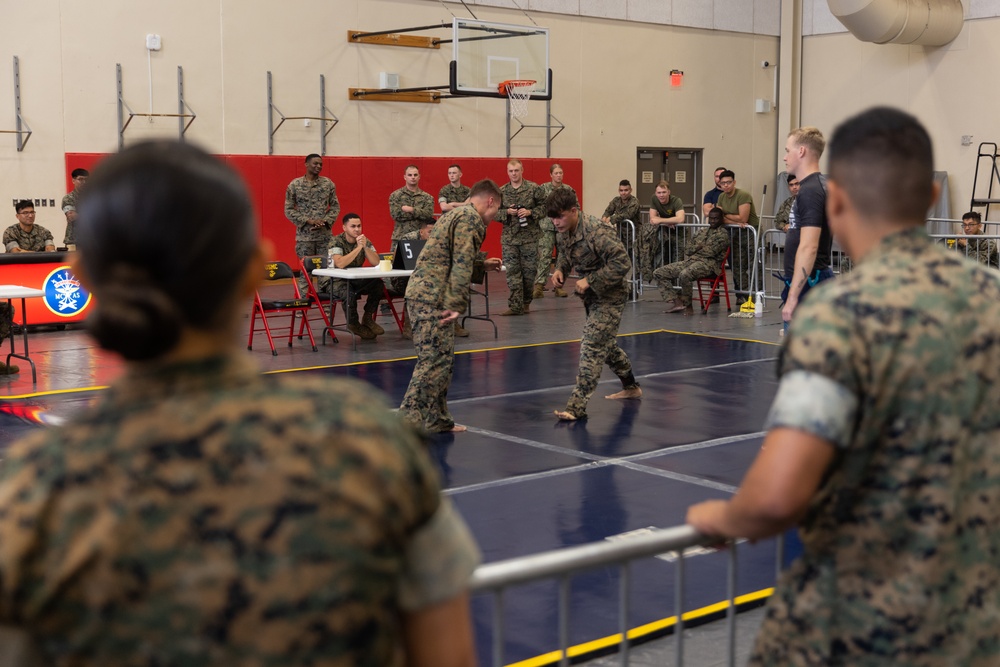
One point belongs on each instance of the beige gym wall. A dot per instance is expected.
(611, 87)
(946, 88)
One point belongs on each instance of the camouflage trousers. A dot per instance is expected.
(742, 258)
(522, 263)
(305, 248)
(546, 242)
(374, 289)
(426, 400)
(686, 271)
(599, 346)
(6, 320)
(657, 249)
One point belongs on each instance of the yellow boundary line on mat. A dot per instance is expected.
(77, 390)
(639, 632)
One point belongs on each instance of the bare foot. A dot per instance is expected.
(634, 392)
(458, 428)
(564, 416)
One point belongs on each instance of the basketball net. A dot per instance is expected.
(518, 92)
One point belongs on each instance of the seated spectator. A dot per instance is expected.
(349, 250)
(781, 218)
(200, 513)
(704, 259)
(26, 236)
(983, 251)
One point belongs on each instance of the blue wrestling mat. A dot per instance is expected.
(527, 483)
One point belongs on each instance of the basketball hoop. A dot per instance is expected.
(518, 91)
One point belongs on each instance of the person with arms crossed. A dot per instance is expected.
(594, 250)
(409, 206)
(454, 194)
(547, 240)
(808, 241)
(882, 439)
(199, 512)
(437, 295)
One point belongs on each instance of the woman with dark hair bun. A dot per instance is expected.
(201, 513)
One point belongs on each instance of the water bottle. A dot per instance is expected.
(758, 305)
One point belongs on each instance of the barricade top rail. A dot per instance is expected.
(525, 569)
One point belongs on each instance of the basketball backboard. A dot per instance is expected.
(486, 53)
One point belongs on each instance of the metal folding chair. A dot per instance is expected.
(293, 306)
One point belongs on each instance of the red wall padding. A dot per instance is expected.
(363, 186)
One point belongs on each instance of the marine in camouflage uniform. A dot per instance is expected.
(597, 254)
(407, 221)
(547, 238)
(440, 281)
(203, 514)
(882, 442)
(624, 207)
(900, 540)
(784, 214)
(312, 197)
(519, 242)
(983, 251)
(373, 289)
(704, 259)
(68, 205)
(35, 239)
(454, 194)
(307, 200)
(619, 210)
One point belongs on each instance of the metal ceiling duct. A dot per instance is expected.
(924, 22)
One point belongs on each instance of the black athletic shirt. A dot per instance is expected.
(809, 210)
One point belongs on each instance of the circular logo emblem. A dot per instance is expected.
(64, 295)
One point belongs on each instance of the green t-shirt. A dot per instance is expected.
(669, 209)
(731, 205)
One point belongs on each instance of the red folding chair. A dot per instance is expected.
(320, 301)
(291, 305)
(391, 298)
(714, 284)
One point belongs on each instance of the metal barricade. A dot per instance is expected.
(627, 234)
(668, 246)
(982, 248)
(773, 258)
(562, 564)
(672, 243)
